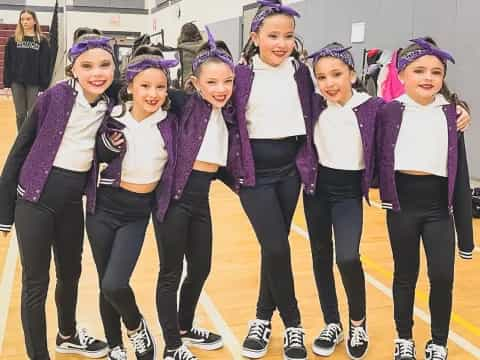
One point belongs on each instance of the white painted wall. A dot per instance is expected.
(202, 11)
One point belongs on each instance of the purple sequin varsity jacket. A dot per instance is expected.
(244, 174)
(459, 196)
(31, 158)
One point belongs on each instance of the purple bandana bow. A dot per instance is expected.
(212, 52)
(96, 43)
(155, 62)
(426, 49)
(340, 53)
(271, 7)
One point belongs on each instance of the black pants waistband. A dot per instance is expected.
(117, 199)
(421, 191)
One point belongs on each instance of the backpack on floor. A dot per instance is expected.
(476, 202)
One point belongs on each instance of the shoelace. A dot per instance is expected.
(84, 338)
(330, 332)
(257, 328)
(438, 352)
(359, 336)
(140, 341)
(201, 332)
(294, 337)
(184, 354)
(406, 348)
(118, 353)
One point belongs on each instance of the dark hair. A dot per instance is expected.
(82, 33)
(189, 33)
(143, 51)
(357, 85)
(445, 91)
(250, 50)
(203, 49)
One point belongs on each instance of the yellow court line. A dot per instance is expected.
(459, 320)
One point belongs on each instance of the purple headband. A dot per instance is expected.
(426, 49)
(212, 52)
(81, 46)
(157, 62)
(270, 8)
(340, 53)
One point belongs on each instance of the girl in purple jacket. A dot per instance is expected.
(186, 230)
(343, 147)
(51, 165)
(272, 100)
(424, 185)
(138, 176)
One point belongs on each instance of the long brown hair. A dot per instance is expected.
(19, 33)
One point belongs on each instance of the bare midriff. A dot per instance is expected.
(205, 166)
(139, 188)
(414, 172)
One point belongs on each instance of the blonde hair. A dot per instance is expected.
(19, 33)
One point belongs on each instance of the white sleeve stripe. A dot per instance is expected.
(107, 144)
(5, 227)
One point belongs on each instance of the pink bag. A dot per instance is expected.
(392, 87)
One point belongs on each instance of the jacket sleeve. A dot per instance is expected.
(44, 64)
(462, 204)
(7, 63)
(12, 167)
(104, 148)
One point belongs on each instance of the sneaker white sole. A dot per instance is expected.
(326, 352)
(89, 354)
(353, 357)
(210, 346)
(253, 354)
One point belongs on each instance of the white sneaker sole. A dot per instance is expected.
(326, 352)
(88, 354)
(210, 346)
(252, 354)
(285, 357)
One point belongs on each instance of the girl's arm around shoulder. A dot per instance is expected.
(462, 204)
(110, 141)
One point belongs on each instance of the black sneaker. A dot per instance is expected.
(435, 352)
(293, 344)
(329, 338)
(182, 353)
(255, 344)
(357, 342)
(117, 353)
(143, 342)
(202, 339)
(82, 344)
(404, 350)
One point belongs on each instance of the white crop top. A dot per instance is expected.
(146, 155)
(274, 110)
(214, 148)
(337, 135)
(422, 143)
(78, 142)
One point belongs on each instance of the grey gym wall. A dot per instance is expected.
(228, 31)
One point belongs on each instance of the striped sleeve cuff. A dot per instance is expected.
(5, 228)
(467, 255)
(108, 145)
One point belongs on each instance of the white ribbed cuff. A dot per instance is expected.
(108, 145)
(6, 228)
(467, 255)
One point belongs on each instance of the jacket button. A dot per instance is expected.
(205, 120)
(34, 198)
(237, 154)
(361, 125)
(176, 197)
(37, 191)
(200, 137)
(237, 136)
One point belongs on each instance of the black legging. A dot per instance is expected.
(337, 202)
(116, 232)
(56, 221)
(185, 232)
(270, 206)
(424, 214)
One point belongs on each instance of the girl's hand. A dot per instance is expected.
(463, 119)
(3, 234)
(116, 138)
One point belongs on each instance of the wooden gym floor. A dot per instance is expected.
(231, 291)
